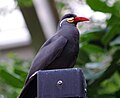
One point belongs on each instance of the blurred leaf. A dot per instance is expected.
(116, 41)
(92, 35)
(106, 96)
(60, 5)
(111, 85)
(99, 5)
(90, 75)
(12, 75)
(116, 55)
(14, 57)
(10, 79)
(107, 44)
(114, 20)
(111, 34)
(95, 65)
(117, 94)
(109, 71)
(83, 58)
(117, 8)
(19, 71)
(90, 48)
(25, 2)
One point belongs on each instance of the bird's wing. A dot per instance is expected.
(30, 89)
(48, 53)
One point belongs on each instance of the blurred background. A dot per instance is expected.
(26, 24)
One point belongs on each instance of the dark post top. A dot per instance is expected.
(61, 83)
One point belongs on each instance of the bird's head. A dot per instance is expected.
(72, 19)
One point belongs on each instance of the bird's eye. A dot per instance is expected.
(70, 19)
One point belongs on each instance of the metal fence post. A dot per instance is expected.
(61, 83)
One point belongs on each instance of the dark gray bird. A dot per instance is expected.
(58, 52)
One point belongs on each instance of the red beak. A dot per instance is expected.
(80, 19)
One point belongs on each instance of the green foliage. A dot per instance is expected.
(99, 5)
(12, 76)
(10, 79)
(60, 5)
(25, 3)
(101, 50)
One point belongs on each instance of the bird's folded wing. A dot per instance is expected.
(48, 53)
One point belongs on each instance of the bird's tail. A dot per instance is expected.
(30, 88)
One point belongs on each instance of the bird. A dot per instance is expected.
(58, 52)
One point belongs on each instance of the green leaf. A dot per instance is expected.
(10, 79)
(60, 5)
(117, 8)
(106, 96)
(116, 41)
(109, 71)
(111, 85)
(116, 56)
(20, 72)
(111, 34)
(98, 5)
(92, 35)
(90, 75)
(117, 94)
(83, 58)
(114, 20)
(90, 48)
(25, 2)
(95, 65)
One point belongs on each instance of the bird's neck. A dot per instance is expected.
(69, 31)
(66, 24)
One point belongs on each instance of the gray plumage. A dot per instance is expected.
(58, 52)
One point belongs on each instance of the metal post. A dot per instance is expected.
(61, 83)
